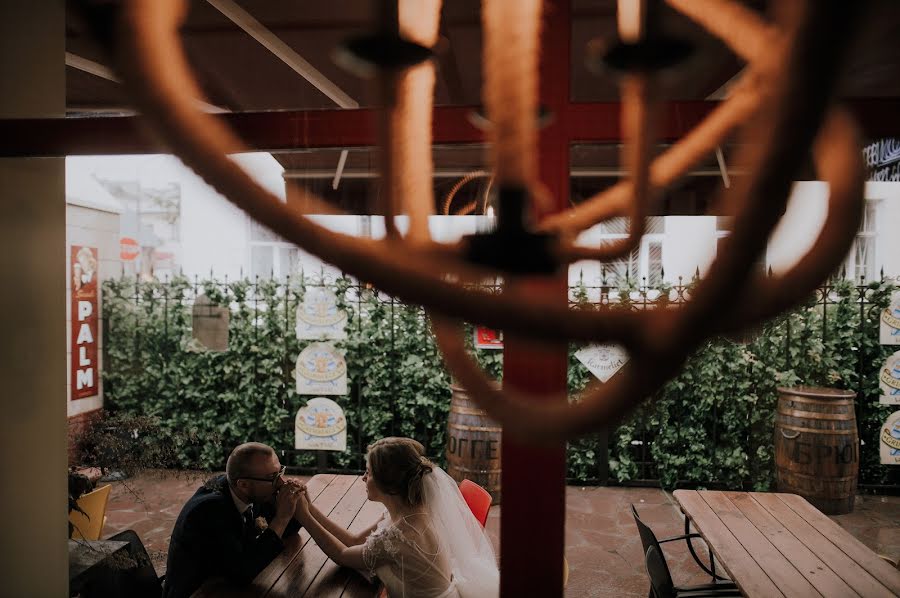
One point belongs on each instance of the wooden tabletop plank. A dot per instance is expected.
(300, 574)
(861, 554)
(268, 576)
(824, 549)
(802, 558)
(776, 565)
(220, 588)
(358, 585)
(742, 567)
(333, 580)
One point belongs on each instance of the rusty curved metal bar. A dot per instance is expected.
(668, 337)
(160, 76)
(523, 415)
(448, 199)
(753, 40)
(638, 114)
(433, 275)
(839, 160)
(664, 170)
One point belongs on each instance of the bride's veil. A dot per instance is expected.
(468, 547)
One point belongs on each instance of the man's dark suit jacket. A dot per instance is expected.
(210, 539)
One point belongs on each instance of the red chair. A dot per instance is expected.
(478, 499)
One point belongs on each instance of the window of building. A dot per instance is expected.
(271, 256)
(644, 265)
(861, 262)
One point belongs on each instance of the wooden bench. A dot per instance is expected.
(302, 569)
(780, 545)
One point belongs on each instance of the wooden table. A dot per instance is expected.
(302, 569)
(86, 555)
(780, 545)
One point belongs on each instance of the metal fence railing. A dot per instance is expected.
(279, 299)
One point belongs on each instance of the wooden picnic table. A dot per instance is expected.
(302, 569)
(774, 544)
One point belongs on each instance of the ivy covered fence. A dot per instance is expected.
(712, 425)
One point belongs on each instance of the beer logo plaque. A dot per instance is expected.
(320, 425)
(321, 370)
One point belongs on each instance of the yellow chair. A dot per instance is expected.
(94, 504)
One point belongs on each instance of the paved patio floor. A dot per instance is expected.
(602, 544)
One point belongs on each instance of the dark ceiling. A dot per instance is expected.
(238, 74)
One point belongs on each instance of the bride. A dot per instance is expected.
(427, 545)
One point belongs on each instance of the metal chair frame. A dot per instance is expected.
(662, 585)
(688, 537)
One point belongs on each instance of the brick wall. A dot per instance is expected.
(78, 424)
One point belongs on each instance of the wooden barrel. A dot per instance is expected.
(473, 445)
(817, 447)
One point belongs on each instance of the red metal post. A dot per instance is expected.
(532, 524)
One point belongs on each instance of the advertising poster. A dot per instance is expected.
(889, 380)
(85, 375)
(318, 316)
(321, 370)
(488, 338)
(602, 360)
(889, 324)
(889, 440)
(320, 425)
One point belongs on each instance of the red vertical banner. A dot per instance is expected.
(85, 371)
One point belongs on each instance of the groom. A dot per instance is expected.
(234, 524)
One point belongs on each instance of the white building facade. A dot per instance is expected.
(208, 236)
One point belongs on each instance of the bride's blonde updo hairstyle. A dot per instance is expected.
(398, 466)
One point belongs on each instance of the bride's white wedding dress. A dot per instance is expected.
(440, 552)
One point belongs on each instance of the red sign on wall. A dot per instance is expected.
(488, 338)
(85, 367)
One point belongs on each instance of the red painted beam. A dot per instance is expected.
(599, 122)
(302, 129)
(262, 131)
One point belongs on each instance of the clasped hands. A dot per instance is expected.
(292, 501)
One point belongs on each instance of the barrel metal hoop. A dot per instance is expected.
(456, 426)
(466, 410)
(851, 432)
(797, 399)
(825, 480)
(818, 415)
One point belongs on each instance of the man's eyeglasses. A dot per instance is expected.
(272, 479)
